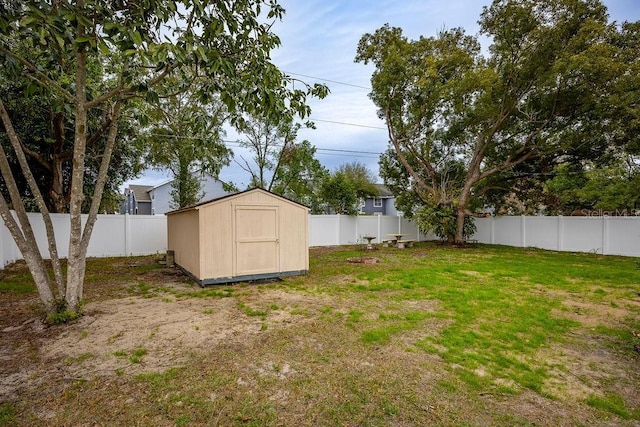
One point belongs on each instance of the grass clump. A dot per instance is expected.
(19, 284)
(63, 315)
(78, 359)
(611, 403)
(7, 415)
(135, 356)
(251, 312)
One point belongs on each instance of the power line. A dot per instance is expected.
(238, 143)
(327, 80)
(347, 124)
(347, 151)
(318, 149)
(360, 156)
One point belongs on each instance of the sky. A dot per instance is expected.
(319, 39)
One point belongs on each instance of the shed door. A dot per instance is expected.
(257, 239)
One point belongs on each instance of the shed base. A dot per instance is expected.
(250, 277)
(245, 278)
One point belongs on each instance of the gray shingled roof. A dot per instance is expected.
(384, 191)
(141, 192)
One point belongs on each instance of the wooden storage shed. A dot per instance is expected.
(250, 235)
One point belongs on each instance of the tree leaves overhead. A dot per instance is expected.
(147, 51)
(225, 41)
(552, 84)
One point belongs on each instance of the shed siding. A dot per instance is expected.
(217, 237)
(255, 197)
(249, 234)
(294, 249)
(183, 238)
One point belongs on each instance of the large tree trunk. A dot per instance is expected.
(26, 242)
(461, 214)
(23, 234)
(56, 192)
(77, 259)
(461, 208)
(59, 200)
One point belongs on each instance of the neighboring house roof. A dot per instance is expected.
(383, 191)
(169, 182)
(197, 205)
(141, 192)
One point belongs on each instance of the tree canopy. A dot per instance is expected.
(185, 136)
(361, 178)
(225, 45)
(279, 162)
(548, 86)
(344, 189)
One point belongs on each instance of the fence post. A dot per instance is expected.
(492, 228)
(560, 233)
(127, 229)
(523, 231)
(338, 229)
(379, 229)
(605, 235)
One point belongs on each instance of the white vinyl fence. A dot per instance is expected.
(328, 230)
(607, 235)
(113, 235)
(125, 235)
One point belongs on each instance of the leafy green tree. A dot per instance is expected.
(186, 137)
(139, 46)
(361, 178)
(281, 164)
(457, 118)
(442, 221)
(612, 187)
(339, 194)
(43, 122)
(343, 190)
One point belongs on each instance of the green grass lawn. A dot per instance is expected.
(430, 335)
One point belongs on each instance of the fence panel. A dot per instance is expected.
(388, 225)
(118, 235)
(507, 230)
(601, 234)
(410, 228)
(368, 226)
(323, 230)
(113, 235)
(347, 229)
(109, 236)
(581, 234)
(484, 230)
(542, 232)
(622, 236)
(147, 234)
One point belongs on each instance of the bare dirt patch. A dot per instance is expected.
(592, 314)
